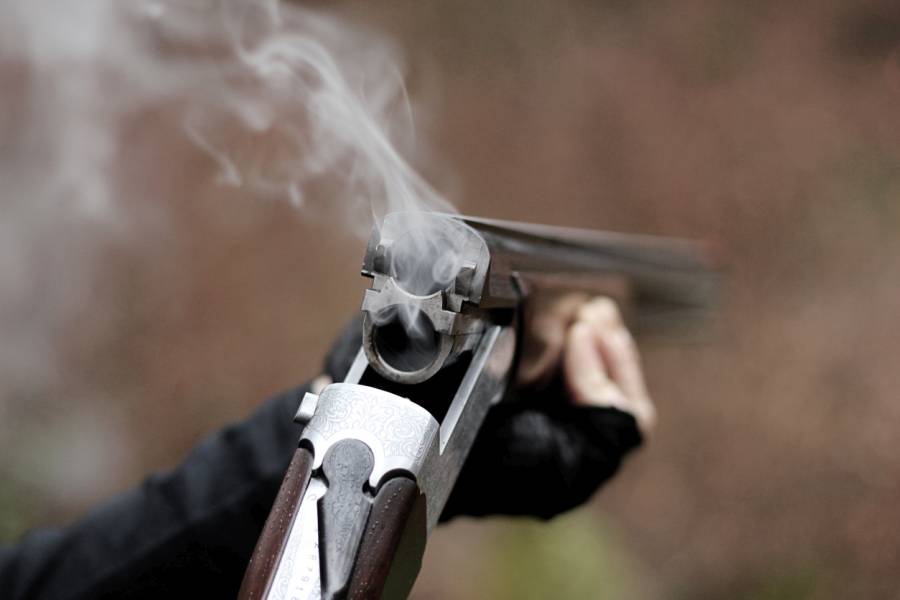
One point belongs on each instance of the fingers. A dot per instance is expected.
(585, 371)
(546, 322)
(601, 364)
(615, 344)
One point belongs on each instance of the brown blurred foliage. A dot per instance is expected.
(771, 128)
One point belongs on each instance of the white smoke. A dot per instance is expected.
(327, 98)
(282, 98)
(58, 147)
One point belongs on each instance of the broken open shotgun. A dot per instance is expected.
(380, 452)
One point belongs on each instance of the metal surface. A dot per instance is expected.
(343, 512)
(668, 280)
(399, 433)
(457, 332)
(402, 437)
(670, 271)
(362, 433)
(307, 409)
(298, 576)
(482, 387)
(457, 329)
(470, 247)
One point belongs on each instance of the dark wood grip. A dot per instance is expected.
(390, 553)
(271, 543)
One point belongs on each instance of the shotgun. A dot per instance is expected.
(380, 452)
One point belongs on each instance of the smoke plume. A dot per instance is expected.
(281, 97)
(284, 99)
(330, 99)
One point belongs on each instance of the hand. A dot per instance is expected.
(586, 341)
(581, 405)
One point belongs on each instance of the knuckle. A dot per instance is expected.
(603, 311)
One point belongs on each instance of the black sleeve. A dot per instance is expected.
(188, 532)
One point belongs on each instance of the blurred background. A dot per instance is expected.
(770, 128)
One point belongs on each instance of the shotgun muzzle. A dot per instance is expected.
(421, 311)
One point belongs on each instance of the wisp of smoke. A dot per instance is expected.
(281, 97)
(331, 96)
